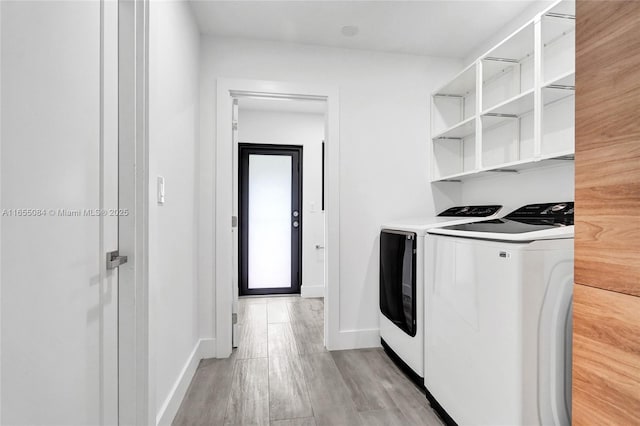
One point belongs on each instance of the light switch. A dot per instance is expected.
(160, 190)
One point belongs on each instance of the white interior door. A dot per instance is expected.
(58, 200)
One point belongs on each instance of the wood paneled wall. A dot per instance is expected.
(606, 357)
(606, 338)
(608, 145)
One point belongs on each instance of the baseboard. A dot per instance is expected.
(307, 290)
(205, 348)
(356, 339)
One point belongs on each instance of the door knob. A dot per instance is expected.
(296, 224)
(296, 213)
(114, 259)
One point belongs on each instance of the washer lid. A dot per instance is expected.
(451, 216)
(528, 223)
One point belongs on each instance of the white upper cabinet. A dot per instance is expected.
(513, 108)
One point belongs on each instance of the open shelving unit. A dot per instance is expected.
(453, 124)
(507, 69)
(512, 109)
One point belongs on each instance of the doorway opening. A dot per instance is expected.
(278, 199)
(270, 220)
(234, 100)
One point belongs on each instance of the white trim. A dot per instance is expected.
(0, 217)
(136, 390)
(223, 166)
(307, 290)
(204, 348)
(207, 348)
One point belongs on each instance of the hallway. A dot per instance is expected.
(282, 375)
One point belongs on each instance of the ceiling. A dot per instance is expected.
(449, 28)
(282, 105)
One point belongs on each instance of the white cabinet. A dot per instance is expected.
(513, 108)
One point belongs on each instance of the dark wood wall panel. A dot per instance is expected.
(608, 145)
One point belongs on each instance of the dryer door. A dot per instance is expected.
(554, 339)
(398, 278)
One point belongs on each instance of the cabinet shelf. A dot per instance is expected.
(492, 69)
(559, 21)
(564, 8)
(559, 88)
(552, 95)
(566, 80)
(509, 109)
(459, 131)
(558, 26)
(457, 177)
(512, 166)
(516, 49)
(567, 155)
(461, 85)
(530, 163)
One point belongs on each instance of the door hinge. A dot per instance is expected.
(234, 221)
(234, 125)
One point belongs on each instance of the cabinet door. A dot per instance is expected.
(606, 357)
(608, 145)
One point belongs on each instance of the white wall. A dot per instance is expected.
(291, 128)
(384, 110)
(173, 151)
(550, 184)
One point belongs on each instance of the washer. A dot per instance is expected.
(498, 324)
(401, 284)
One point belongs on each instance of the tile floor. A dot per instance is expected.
(281, 375)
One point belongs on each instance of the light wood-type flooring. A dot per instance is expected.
(281, 375)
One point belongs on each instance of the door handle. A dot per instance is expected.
(114, 259)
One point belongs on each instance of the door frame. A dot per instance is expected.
(136, 402)
(243, 225)
(224, 271)
(0, 218)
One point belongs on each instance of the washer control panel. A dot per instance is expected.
(471, 211)
(560, 213)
